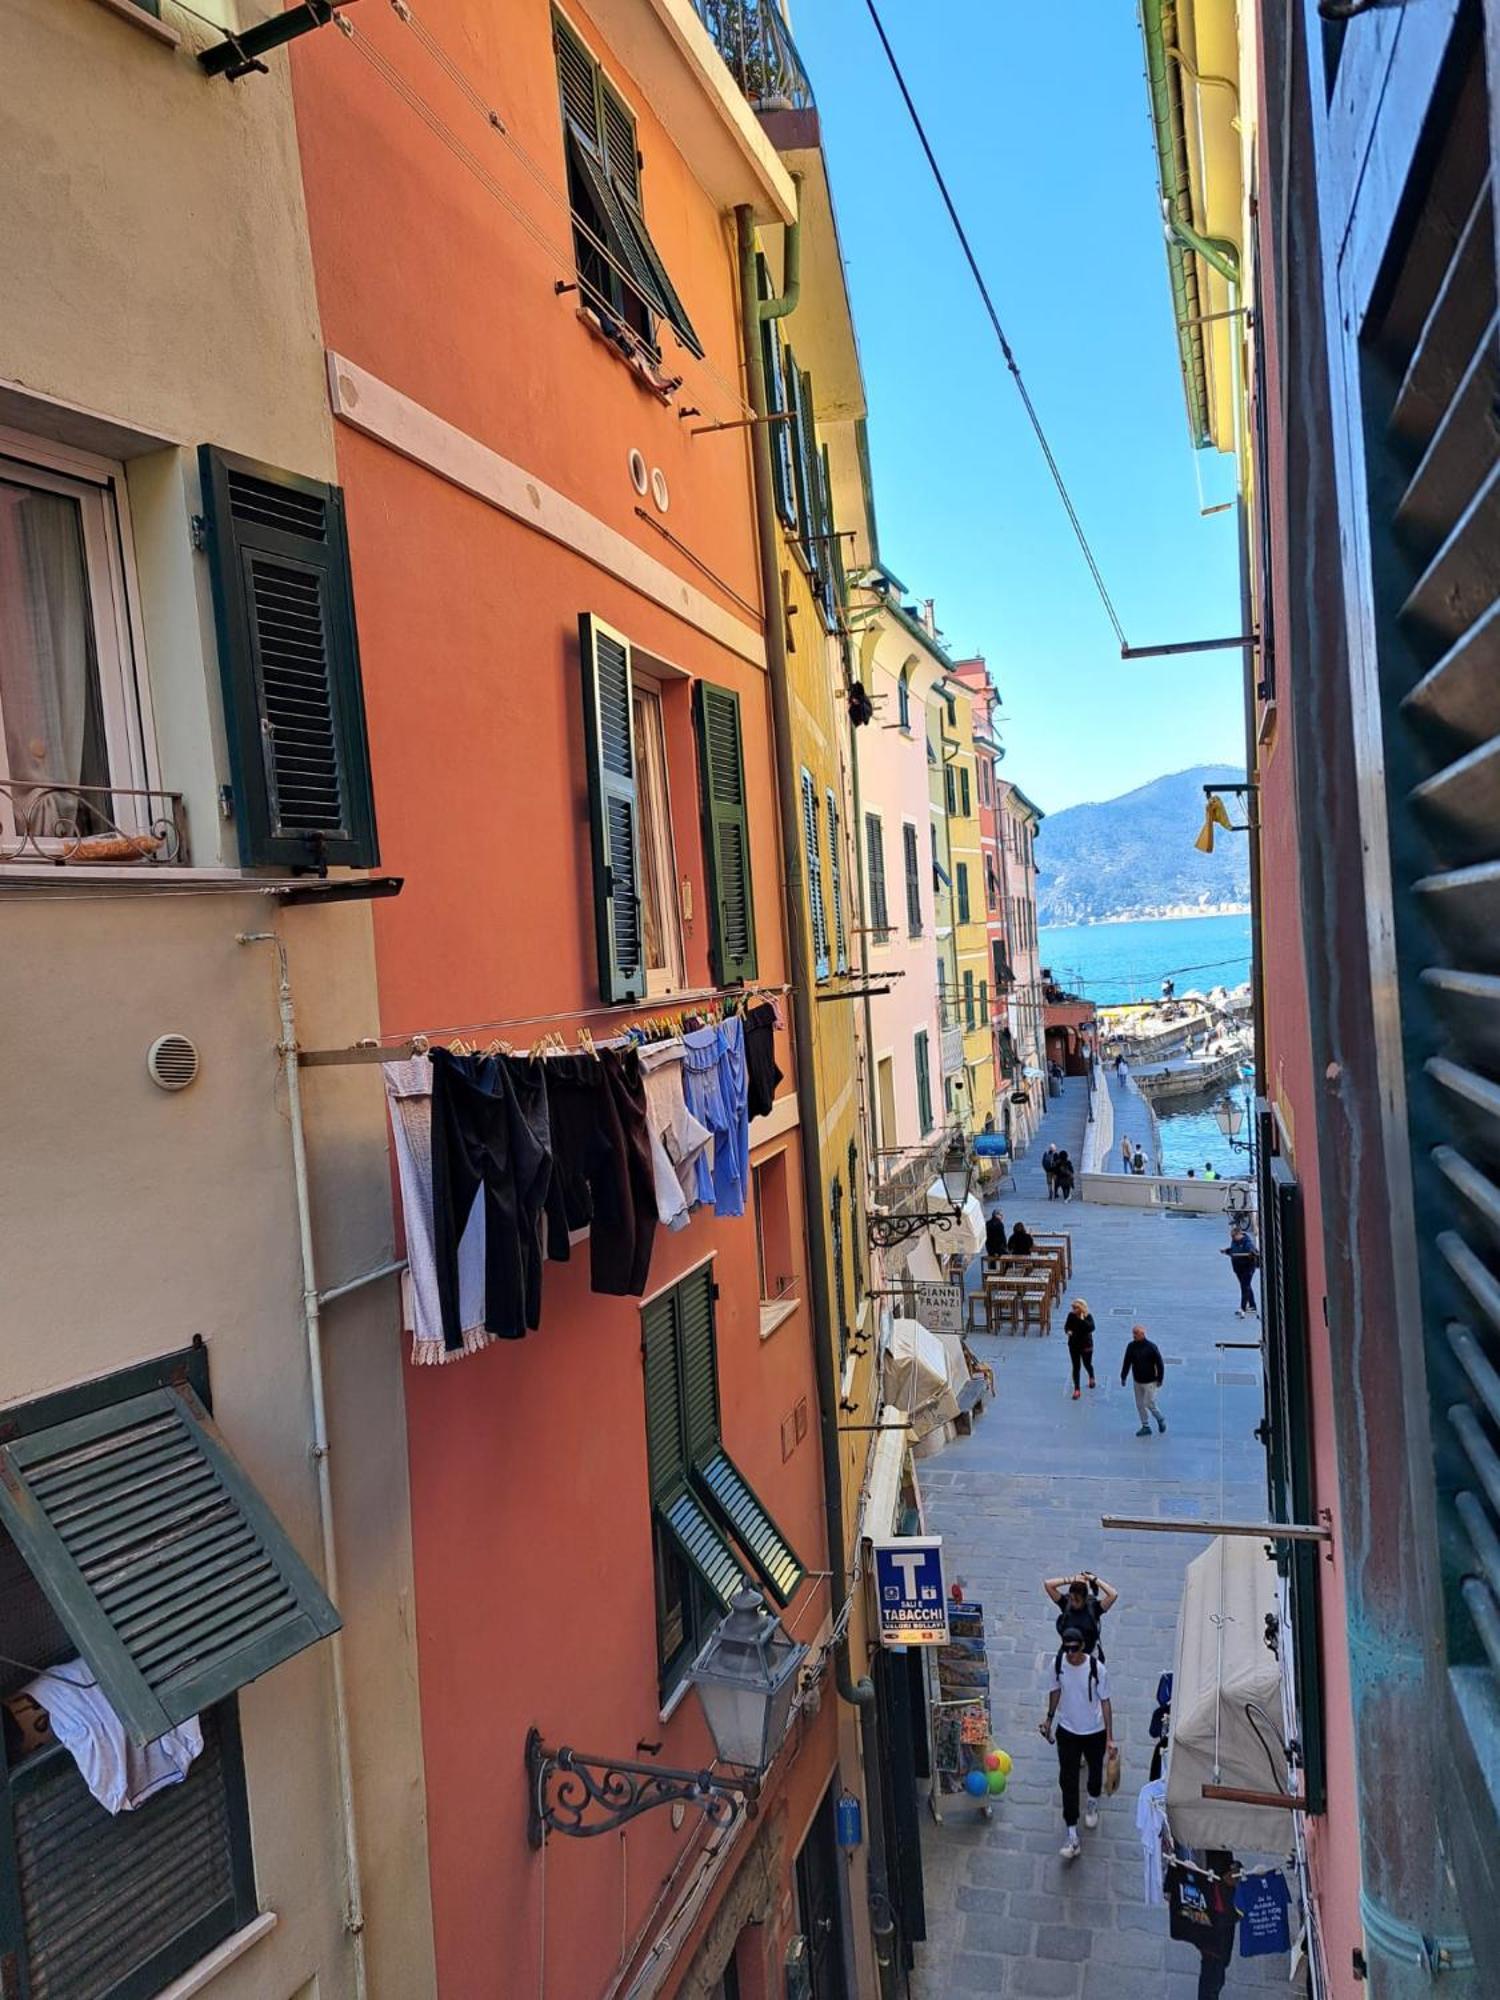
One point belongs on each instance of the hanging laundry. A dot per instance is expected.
(603, 1178)
(620, 1257)
(585, 1143)
(735, 1080)
(760, 1058)
(1155, 1837)
(121, 1774)
(677, 1137)
(490, 1131)
(715, 1083)
(1264, 1904)
(408, 1089)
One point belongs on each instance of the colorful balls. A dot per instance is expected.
(992, 1759)
(976, 1784)
(1004, 1764)
(995, 1783)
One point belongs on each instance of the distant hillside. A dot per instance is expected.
(1134, 856)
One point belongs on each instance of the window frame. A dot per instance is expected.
(99, 486)
(657, 832)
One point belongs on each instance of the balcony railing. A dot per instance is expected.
(757, 45)
(98, 825)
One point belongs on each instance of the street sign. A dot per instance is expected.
(909, 1591)
(940, 1308)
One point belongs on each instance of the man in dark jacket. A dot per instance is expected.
(994, 1237)
(1143, 1363)
(1244, 1258)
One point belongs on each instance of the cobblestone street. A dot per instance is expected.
(1020, 1500)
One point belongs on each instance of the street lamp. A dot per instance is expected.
(957, 1171)
(746, 1676)
(1229, 1116)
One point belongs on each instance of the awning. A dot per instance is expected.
(1227, 1726)
(172, 1576)
(924, 1375)
(882, 1510)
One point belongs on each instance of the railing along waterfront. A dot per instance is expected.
(82, 824)
(757, 45)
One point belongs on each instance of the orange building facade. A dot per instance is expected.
(523, 233)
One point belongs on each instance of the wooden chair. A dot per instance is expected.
(1057, 1239)
(980, 1305)
(1020, 1301)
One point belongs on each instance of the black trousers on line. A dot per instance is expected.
(1072, 1752)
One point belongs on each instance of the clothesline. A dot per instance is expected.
(402, 1047)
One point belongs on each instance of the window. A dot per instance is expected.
(903, 699)
(924, 1082)
(784, 446)
(621, 278)
(661, 933)
(699, 1497)
(984, 1001)
(294, 712)
(1003, 974)
(950, 790)
(961, 873)
(856, 1227)
(991, 885)
(965, 799)
(913, 880)
(817, 543)
(812, 842)
(836, 886)
(731, 899)
(968, 999)
(836, 1252)
(773, 1242)
(986, 787)
(216, 1597)
(69, 712)
(880, 919)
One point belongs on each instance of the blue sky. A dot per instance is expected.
(1038, 117)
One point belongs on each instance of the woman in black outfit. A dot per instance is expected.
(994, 1237)
(1079, 1327)
(1063, 1174)
(1022, 1242)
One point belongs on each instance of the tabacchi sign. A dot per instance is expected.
(909, 1591)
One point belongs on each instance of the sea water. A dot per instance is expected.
(1110, 963)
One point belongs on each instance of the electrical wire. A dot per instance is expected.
(1005, 347)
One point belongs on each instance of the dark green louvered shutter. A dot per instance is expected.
(700, 1375)
(813, 845)
(836, 887)
(294, 712)
(736, 1505)
(678, 1507)
(614, 808)
(837, 579)
(620, 151)
(797, 444)
(913, 881)
(726, 833)
(645, 260)
(880, 916)
(665, 1459)
(173, 1578)
(577, 81)
(782, 477)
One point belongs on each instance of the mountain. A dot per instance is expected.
(1134, 856)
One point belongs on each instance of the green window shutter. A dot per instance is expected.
(797, 444)
(660, 292)
(171, 1575)
(687, 1521)
(924, 1080)
(836, 1248)
(614, 808)
(968, 999)
(950, 795)
(815, 522)
(984, 1001)
(913, 881)
(964, 798)
(817, 912)
(726, 833)
(621, 154)
(294, 712)
(833, 547)
(961, 883)
(734, 1501)
(578, 82)
(666, 1460)
(700, 1375)
(875, 856)
(783, 479)
(836, 887)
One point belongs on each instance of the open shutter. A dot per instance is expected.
(836, 1250)
(614, 809)
(294, 713)
(173, 1578)
(913, 881)
(875, 856)
(797, 443)
(836, 887)
(644, 258)
(620, 152)
(838, 581)
(700, 1377)
(783, 479)
(736, 1505)
(666, 1460)
(726, 833)
(816, 909)
(578, 82)
(682, 1402)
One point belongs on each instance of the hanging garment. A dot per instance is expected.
(1264, 1904)
(490, 1131)
(121, 1775)
(408, 1089)
(1151, 1825)
(677, 1137)
(704, 1094)
(584, 1145)
(620, 1251)
(717, 1088)
(760, 1058)
(1201, 1911)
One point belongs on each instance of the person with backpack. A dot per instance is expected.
(1143, 1363)
(1080, 1721)
(1079, 1327)
(1049, 1169)
(1062, 1173)
(1082, 1601)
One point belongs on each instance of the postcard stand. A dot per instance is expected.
(960, 1708)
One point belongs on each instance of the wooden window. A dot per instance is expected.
(726, 833)
(614, 809)
(950, 790)
(880, 919)
(961, 874)
(903, 699)
(784, 444)
(294, 712)
(924, 1081)
(836, 886)
(913, 880)
(814, 851)
(965, 799)
(968, 999)
(661, 930)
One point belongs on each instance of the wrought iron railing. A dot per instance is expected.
(83, 824)
(757, 45)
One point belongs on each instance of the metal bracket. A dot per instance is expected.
(884, 1232)
(581, 1796)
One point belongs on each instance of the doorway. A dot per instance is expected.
(820, 1915)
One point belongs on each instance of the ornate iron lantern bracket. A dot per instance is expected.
(581, 1796)
(885, 1231)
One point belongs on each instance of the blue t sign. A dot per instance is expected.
(909, 1591)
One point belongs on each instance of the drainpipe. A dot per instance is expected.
(753, 311)
(354, 1913)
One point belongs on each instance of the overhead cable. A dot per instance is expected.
(1005, 347)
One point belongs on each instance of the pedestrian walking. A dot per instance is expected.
(1022, 1242)
(1124, 1156)
(1063, 1174)
(994, 1237)
(1138, 1164)
(1082, 1601)
(1244, 1261)
(1079, 1327)
(1049, 1168)
(1120, 1071)
(1081, 1723)
(1143, 1363)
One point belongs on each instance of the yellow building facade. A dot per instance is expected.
(971, 954)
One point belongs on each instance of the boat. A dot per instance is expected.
(1187, 1076)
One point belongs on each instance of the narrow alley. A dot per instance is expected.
(1021, 1499)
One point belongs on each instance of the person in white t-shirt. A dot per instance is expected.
(1081, 1722)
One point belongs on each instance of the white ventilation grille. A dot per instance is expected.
(172, 1062)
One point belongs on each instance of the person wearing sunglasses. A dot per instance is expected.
(1080, 1721)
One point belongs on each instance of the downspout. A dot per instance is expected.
(754, 310)
(312, 1324)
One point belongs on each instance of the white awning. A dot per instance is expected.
(1227, 1724)
(882, 1511)
(923, 1375)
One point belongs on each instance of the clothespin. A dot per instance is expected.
(586, 1041)
(420, 1045)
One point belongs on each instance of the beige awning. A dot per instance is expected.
(1227, 1725)
(882, 1509)
(923, 1375)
